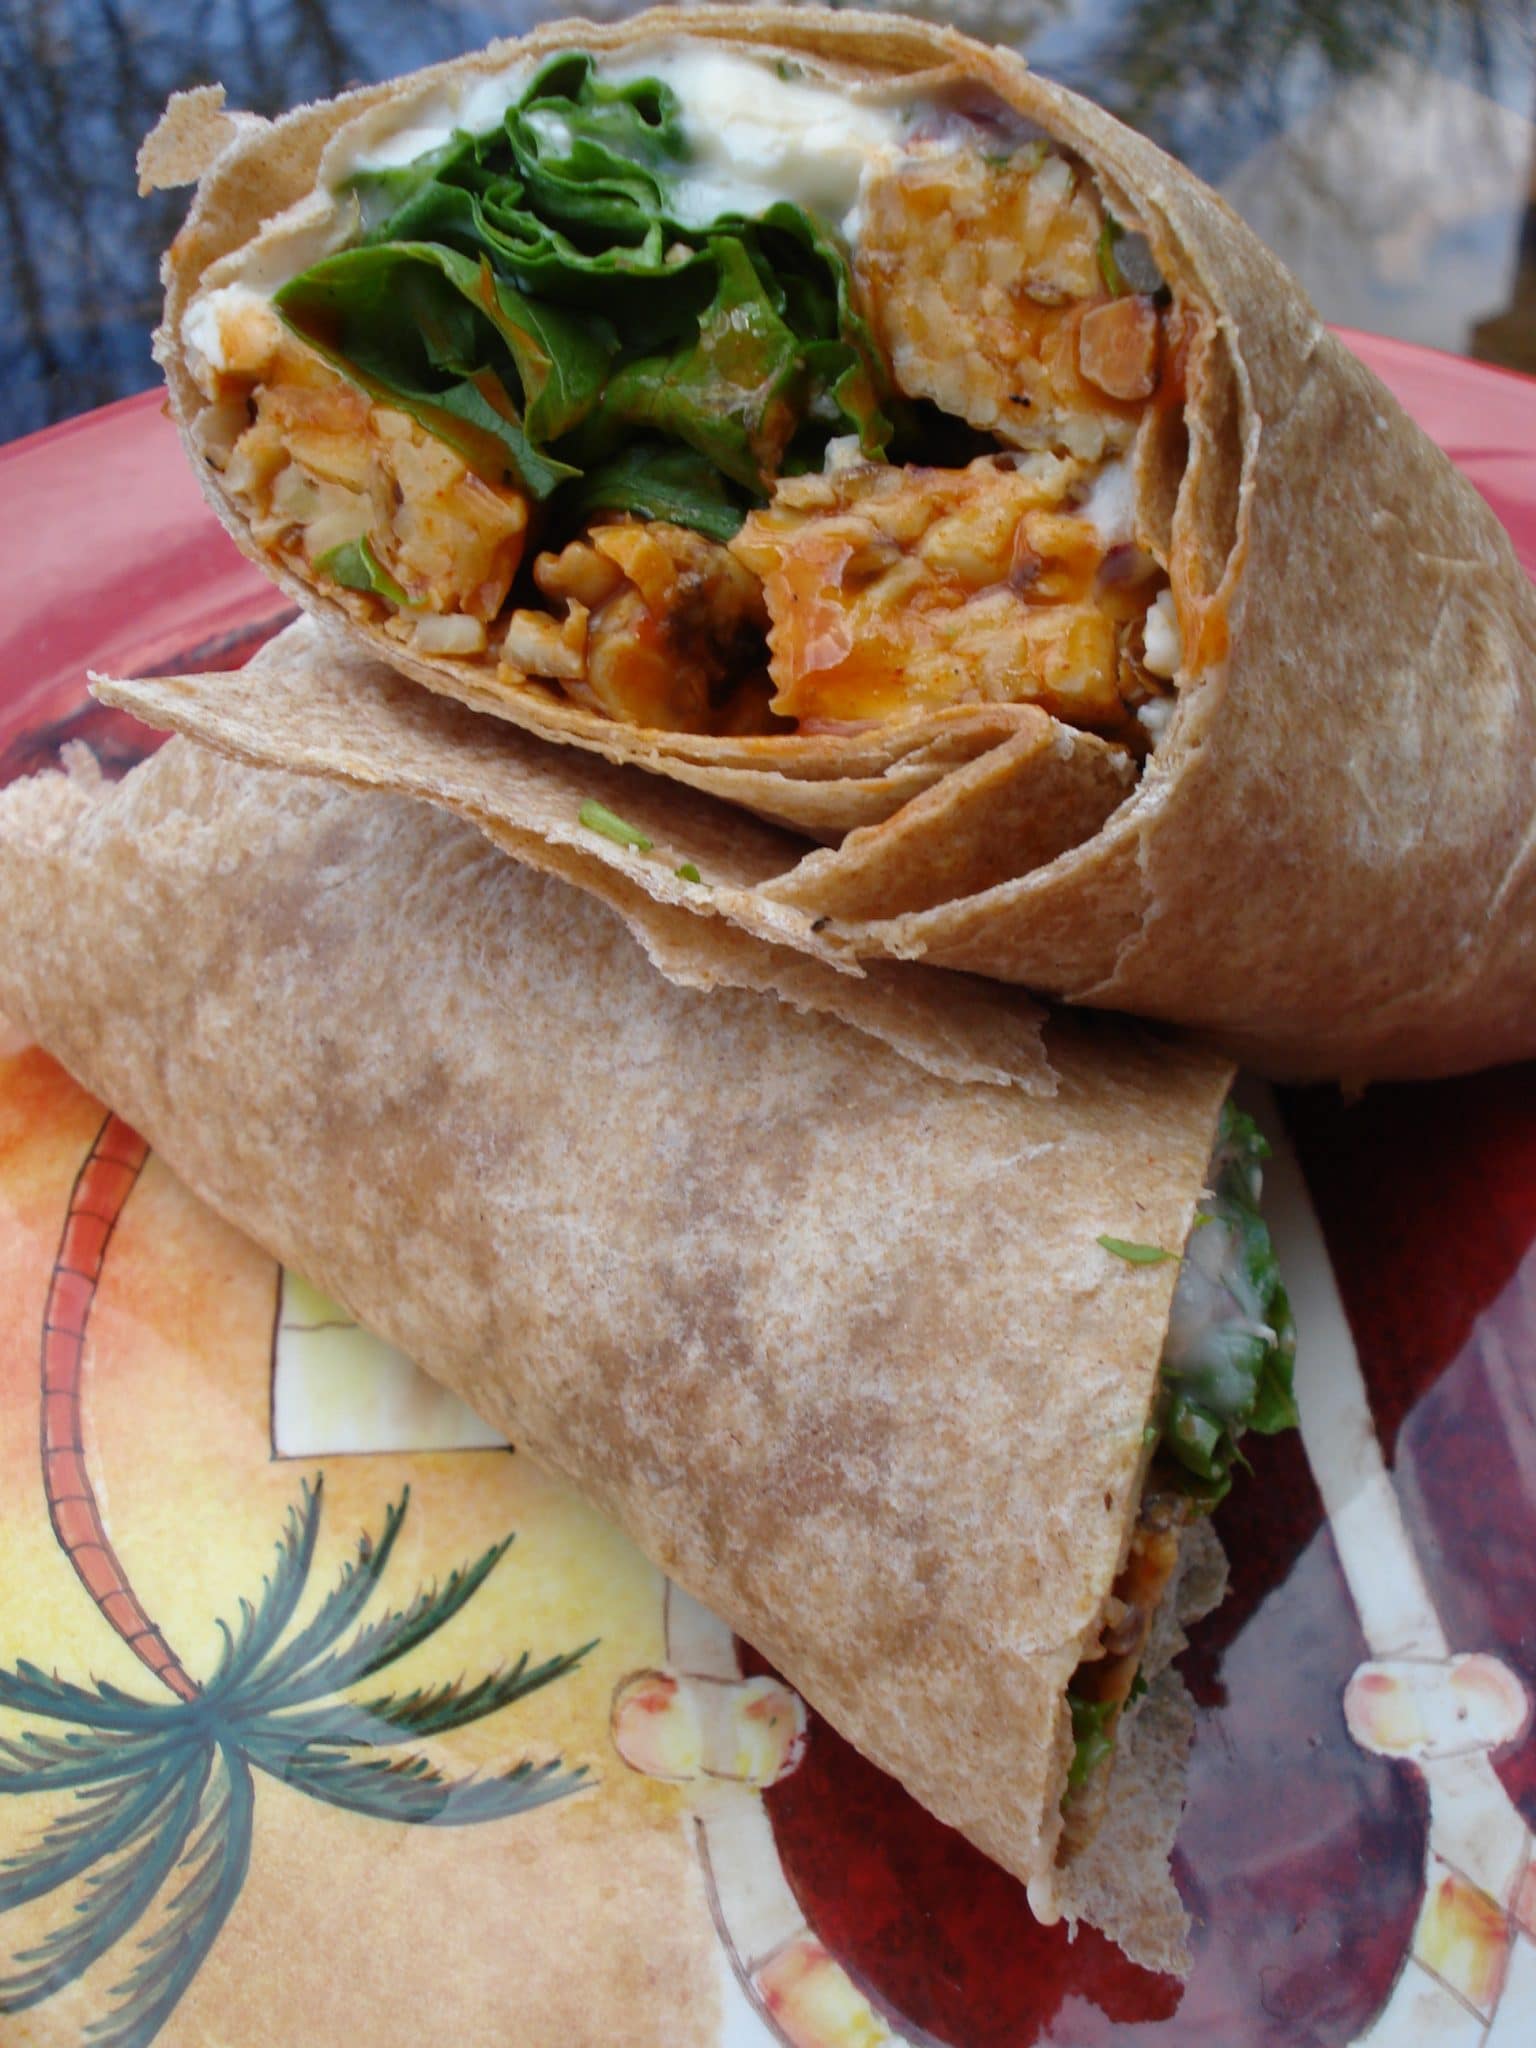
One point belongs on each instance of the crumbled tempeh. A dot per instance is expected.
(457, 540)
(578, 572)
(677, 642)
(449, 633)
(321, 464)
(979, 276)
(900, 589)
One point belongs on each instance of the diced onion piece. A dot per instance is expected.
(217, 428)
(538, 645)
(342, 517)
(578, 573)
(449, 633)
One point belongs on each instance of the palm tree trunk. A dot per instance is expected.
(102, 1186)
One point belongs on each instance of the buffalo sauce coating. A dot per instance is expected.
(896, 589)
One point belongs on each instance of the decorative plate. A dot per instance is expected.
(324, 1718)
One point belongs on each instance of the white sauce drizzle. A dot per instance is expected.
(1110, 507)
(756, 137)
(215, 323)
(1164, 642)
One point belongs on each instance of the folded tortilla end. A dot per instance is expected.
(187, 139)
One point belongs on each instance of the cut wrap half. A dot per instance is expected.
(901, 1375)
(824, 412)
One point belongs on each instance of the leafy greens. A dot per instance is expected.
(1227, 1365)
(1230, 1355)
(530, 296)
(1093, 1737)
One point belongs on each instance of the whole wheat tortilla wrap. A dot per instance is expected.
(876, 1363)
(1203, 690)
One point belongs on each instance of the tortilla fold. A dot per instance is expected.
(303, 703)
(831, 1337)
(1328, 862)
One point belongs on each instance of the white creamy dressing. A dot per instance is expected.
(1164, 642)
(1162, 655)
(756, 137)
(1110, 506)
(1041, 1893)
(218, 326)
(1156, 717)
(201, 330)
(844, 451)
(402, 146)
(1110, 509)
(1216, 1311)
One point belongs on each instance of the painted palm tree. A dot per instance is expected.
(163, 1791)
(149, 1849)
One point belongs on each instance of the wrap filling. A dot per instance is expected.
(1227, 1368)
(714, 395)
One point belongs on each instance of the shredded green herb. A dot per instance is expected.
(689, 873)
(598, 818)
(355, 566)
(1136, 1254)
(1109, 263)
(1092, 1733)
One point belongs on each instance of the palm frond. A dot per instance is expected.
(97, 1823)
(29, 1690)
(342, 1605)
(164, 1790)
(435, 1710)
(35, 1762)
(262, 1625)
(116, 1896)
(215, 1866)
(414, 1791)
(390, 1637)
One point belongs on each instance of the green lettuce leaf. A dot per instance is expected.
(435, 334)
(355, 566)
(656, 480)
(1230, 1359)
(1092, 1735)
(598, 818)
(530, 296)
(729, 391)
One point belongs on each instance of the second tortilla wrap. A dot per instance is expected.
(833, 1339)
(1327, 861)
